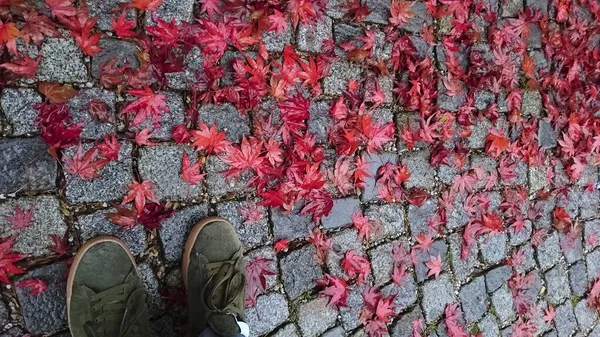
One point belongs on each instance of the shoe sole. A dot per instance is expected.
(89, 244)
(189, 244)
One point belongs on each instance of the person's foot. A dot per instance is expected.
(214, 276)
(105, 296)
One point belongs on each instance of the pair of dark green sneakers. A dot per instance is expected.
(106, 297)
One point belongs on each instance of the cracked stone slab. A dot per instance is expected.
(26, 165)
(47, 219)
(112, 183)
(93, 129)
(226, 118)
(62, 62)
(174, 230)
(96, 224)
(299, 271)
(45, 312)
(315, 317)
(162, 166)
(437, 294)
(252, 234)
(268, 313)
(17, 105)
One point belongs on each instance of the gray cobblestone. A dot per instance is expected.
(168, 10)
(104, 10)
(174, 230)
(270, 311)
(335, 332)
(289, 330)
(421, 17)
(341, 213)
(226, 118)
(495, 278)
(391, 217)
(578, 278)
(62, 62)
(403, 326)
(462, 267)
(93, 129)
(175, 116)
(25, 165)
(319, 120)
(299, 271)
(290, 226)
(593, 264)
(315, 317)
(547, 137)
(120, 50)
(341, 243)
(311, 38)
(350, 314)
(548, 252)
(558, 284)
(17, 105)
(437, 294)
(565, 321)
(489, 326)
(418, 216)
(265, 252)
(156, 305)
(474, 299)
(341, 72)
(493, 247)
(218, 185)
(502, 301)
(421, 173)
(586, 316)
(437, 249)
(591, 230)
(97, 224)
(251, 234)
(406, 293)
(382, 262)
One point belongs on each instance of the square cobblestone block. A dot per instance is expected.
(112, 183)
(448, 102)
(437, 249)
(403, 326)
(502, 301)
(593, 265)
(107, 10)
(45, 312)
(174, 230)
(96, 224)
(226, 118)
(532, 103)
(342, 242)
(488, 326)
(310, 38)
(457, 217)
(586, 316)
(162, 166)
(488, 164)
(405, 294)
(174, 101)
(522, 236)
(93, 129)
(391, 217)
(538, 5)
(382, 262)
(462, 267)
(528, 260)
(47, 219)
(421, 173)
(319, 120)
(493, 247)
(437, 294)
(578, 278)
(341, 213)
(315, 317)
(591, 229)
(17, 105)
(121, 50)
(473, 298)
(537, 179)
(547, 136)
(299, 271)
(418, 217)
(565, 321)
(251, 234)
(548, 253)
(178, 10)
(572, 248)
(62, 62)
(268, 253)
(275, 42)
(558, 284)
(290, 226)
(268, 313)
(26, 165)
(218, 185)
(376, 160)
(341, 72)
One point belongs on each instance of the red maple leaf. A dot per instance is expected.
(59, 247)
(180, 134)
(281, 246)
(322, 244)
(122, 27)
(24, 66)
(165, 34)
(401, 12)
(277, 22)
(492, 223)
(209, 140)
(435, 266)
(110, 148)
(143, 138)
(37, 26)
(319, 205)
(453, 315)
(561, 219)
(139, 192)
(35, 286)
(252, 213)
(61, 9)
(341, 176)
(496, 143)
(154, 214)
(594, 296)
(99, 110)
(122, 217)
(143, 5)
(245, 157)
(424, 241)
(147, 105)
(399, 275)
(549, 314)
(7, 260)
(366, 227)
(256, 281)
(355, 265)
(361, 171)
(21, 218)
(336, 289)
(190, 172)
(86, 166)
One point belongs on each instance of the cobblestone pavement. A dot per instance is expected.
(68, 207)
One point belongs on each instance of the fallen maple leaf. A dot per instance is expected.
(496, 143)
(561, 219)
(122, 27)
(252, 213)
(7, 260)
(209, 140)
(190, 172)
(143, 5)
(110, 148)
(24, 66)
(61, 9)
(356, 266)
(21, 218)
(143, 138)
(154, 214)
(8, 33)
(401, 12)
(139, 192)
(86, 166)
(256, 282)
(99, 110)
(549, 314)
(147, 105)
(336, 289)
(59, 247)
(180, 134)
(56, 92)
(281, 246)
(435, 266)
(122, 217)
(35, 286)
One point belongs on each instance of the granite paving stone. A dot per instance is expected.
(548, 253)
(315, 317)
(45, 312)
(173, 231)
(488, 326)
(565, 321)
(341, 243)
(341, 213)
(46, 219)
(120, 50)
(156, 304)
(586, 316)
(162, 166)
(269, 312)
(335, 332)
(96, 224)
(437, 293)
(93, 129)
(26, 165)
(591, 234)
(382, 262)
(557, 282)
(405, 294)
(578, 278)
(265, 252)
(62, 62)
(107, 10)
(403, 326)
(350, 314)
(495, 278)
(226, 118)
(217, 183)
(319, 120)
(502, 301)
(299, 271)
(593, 265)
(474, 300)
(461, 266)
(178, 10)
(251, 234)
(310, 38)
(421, 173)
(110, 186)
(418, 217)
(18, 107)
(290, 225)
(175, 116)
(376, 161)
(437, 249)
(493, 247)
(341, 72)
(390, 216)
(289, 330)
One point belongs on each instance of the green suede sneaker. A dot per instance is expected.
(105, 296)
(214, 276)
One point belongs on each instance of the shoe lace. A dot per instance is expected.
(226, 282)
(109, 308)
